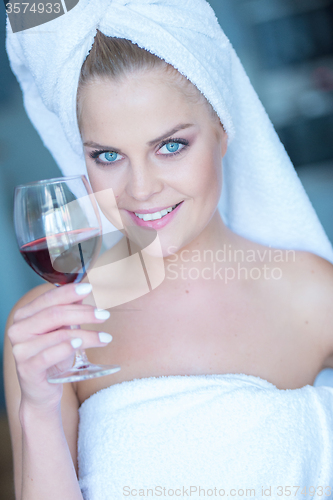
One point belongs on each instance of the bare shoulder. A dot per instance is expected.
(30, 296)
(311, 279)
(300, 285)
(300, 281)
(306, 273)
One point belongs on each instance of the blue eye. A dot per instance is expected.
(172, 147)
(105, 157)
(110, 156)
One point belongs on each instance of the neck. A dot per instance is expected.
(203, 250)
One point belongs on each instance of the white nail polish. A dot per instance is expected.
(105, 337)
(76, 343)
(83, 288)
(101, 314)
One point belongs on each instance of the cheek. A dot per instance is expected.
(207, 178)
(94, 179)
(216, 171)
(100, 180)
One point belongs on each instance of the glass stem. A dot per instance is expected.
(80, 359)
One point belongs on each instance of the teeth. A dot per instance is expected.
(156, 215)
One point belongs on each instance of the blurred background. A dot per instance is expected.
(286, 47)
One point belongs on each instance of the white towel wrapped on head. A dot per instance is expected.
(262, 197)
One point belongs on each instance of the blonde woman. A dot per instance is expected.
(215, 394)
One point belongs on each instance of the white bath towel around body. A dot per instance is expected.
(226, 434)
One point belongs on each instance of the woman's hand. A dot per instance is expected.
(41, 341)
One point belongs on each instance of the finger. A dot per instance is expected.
(90, 338)
(25, 329)
(49, 357)
(54, 318)
(37, 365)
(65, 294)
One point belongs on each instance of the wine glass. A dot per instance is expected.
(59, 233)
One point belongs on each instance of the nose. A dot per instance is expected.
(144, 181)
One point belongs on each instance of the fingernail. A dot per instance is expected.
(101, 314)
(105, 337)
(83, 288)
(76, 343)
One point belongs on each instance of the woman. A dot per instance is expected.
(213, 325)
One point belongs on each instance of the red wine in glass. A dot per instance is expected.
(58, 231)
(70, 266)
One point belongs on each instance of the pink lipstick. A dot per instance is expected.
(158, 223)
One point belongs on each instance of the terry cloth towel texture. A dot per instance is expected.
(227, 432)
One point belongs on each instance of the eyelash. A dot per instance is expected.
(184, 142)
(95, 154)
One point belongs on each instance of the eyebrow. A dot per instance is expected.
(92, 144)
(171, 132)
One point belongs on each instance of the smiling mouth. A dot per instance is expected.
(157, 215)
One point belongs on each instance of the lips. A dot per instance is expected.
(154, 210)
(158, 223)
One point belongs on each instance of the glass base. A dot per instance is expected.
(83, 372)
